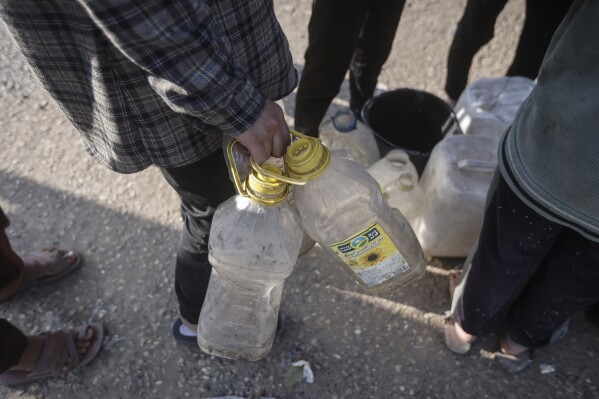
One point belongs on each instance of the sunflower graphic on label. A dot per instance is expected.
(371, 255)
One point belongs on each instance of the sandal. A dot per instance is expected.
(52, 258)
(59, 347)
(516, 363)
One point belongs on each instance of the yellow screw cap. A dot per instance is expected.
(307, 159)
(266, 190)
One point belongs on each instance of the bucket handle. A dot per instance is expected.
(472, 165)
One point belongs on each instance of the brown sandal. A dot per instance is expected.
(59, 347)
(45, 258)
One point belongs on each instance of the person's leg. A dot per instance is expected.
(372, 51)
(568, 281)
(542, 19)
(202, 186)
(25, 359)
(11, 264)
(332, 38)
(474, 30)
(12, 345)
(19, 274)
(513, 243)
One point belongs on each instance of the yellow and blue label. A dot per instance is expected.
(371, 255)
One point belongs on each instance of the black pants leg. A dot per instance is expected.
(526, 272)
(475, 29)
(11, 264)
(566, 282)
(202, 186)
(542, 19)
(333, 33)
(12, 345)
(374, 45)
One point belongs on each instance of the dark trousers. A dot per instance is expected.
(202, 186)
(342, 34)
(12, 340)
(476, 29)
(528, 274)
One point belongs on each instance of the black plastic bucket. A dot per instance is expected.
(412, 120)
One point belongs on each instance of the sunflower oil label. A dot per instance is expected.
(372, 255)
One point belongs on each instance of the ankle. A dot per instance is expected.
(463, 335)
(509, 347)
(31, 354)
(189, 325)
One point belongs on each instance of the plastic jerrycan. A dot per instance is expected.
(398, 179)
(254, 243)
(455, 183)
(342, 208)
(343, 131)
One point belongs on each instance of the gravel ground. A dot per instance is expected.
(358, 345)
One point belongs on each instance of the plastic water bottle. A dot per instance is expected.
(342, 208)
(254, 243)
(344, 131)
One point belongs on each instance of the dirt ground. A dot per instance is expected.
(358, 345)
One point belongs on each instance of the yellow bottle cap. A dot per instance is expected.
(307, 159)
(266, 190)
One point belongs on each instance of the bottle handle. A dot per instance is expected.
(283, 178)
(472, 165)
(239, 186)
(235, 173)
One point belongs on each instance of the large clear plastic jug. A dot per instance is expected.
(343, 209)
(398, 179)
(455, 183)
(254, 243)
(489, 105)
(343, 131)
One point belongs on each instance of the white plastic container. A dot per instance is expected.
(254, 244)
(391, 166)
(489, 105)
(455, 183)
(406, 195)
(398, 179)
(342, 208)
(343, 131)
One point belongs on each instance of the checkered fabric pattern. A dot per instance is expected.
(154, 81)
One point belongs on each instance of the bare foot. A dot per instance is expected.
(457, 340)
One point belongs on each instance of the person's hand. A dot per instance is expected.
(268, 136)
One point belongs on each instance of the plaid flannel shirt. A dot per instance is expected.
(154, 81)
